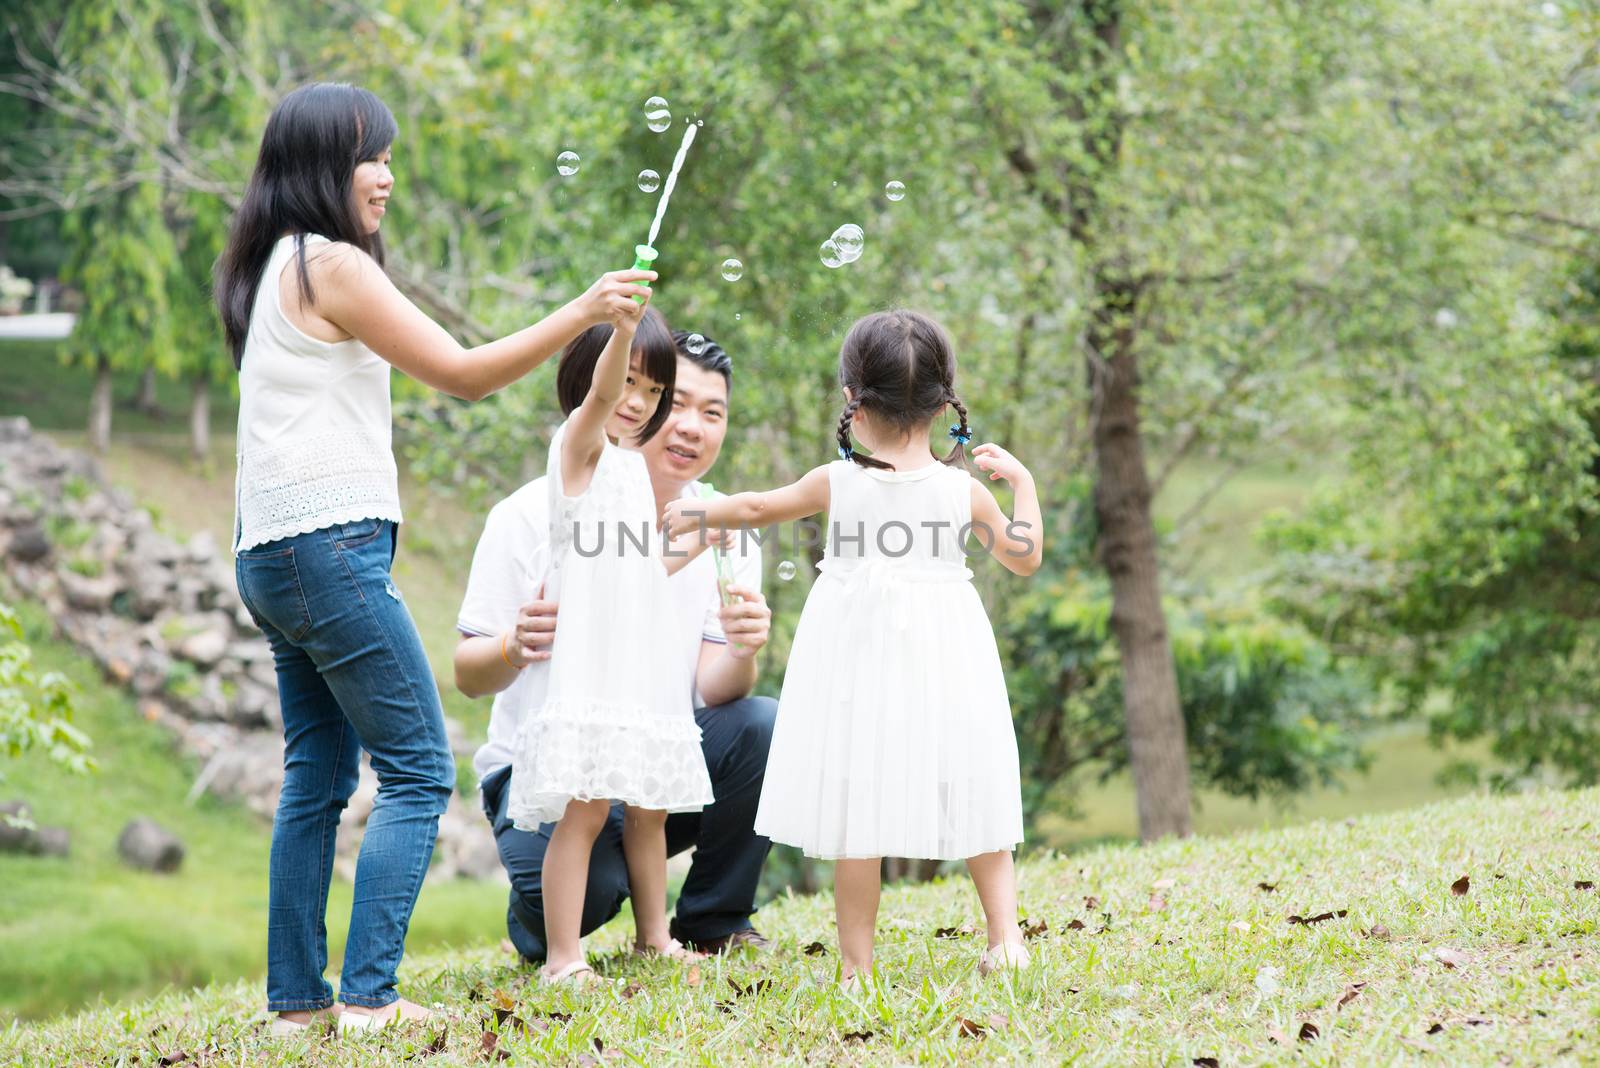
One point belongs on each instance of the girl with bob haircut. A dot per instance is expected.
(315, 326)
(616, 723)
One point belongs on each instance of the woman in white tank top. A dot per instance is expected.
(315, 326)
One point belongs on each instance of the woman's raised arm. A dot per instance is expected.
(355, 294)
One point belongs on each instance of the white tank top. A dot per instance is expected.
(315, 428)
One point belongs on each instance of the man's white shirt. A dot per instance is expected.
(511, 560)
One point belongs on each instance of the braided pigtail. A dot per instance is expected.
(846, 450)
(961, 433)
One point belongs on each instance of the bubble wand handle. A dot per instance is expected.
(724, 573)
(644, 258)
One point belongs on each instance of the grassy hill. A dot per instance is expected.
(75, 929)
(1465, 932)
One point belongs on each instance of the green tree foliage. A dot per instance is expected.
(35, 708)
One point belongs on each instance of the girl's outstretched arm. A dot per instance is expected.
(586, 426)
(796, 501)
(1018, 543)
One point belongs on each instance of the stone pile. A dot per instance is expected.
(163, 619)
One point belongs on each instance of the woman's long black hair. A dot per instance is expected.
(314, 139)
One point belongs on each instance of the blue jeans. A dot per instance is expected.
(351, 675)
(719, 893)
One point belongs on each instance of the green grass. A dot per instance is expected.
(78, 928)
(34, 383)
(1183, 955)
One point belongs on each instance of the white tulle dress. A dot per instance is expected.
(617, 719)
(894, 734)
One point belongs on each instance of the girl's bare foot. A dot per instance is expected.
(669, 947)
(1007, 956)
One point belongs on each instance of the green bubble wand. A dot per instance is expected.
(644, 256)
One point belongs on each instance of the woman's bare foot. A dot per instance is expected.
(402, 1009)
(303, 1017)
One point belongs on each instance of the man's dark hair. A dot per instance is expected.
(710, 358)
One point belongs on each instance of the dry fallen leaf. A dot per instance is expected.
(969, 1028)
(1351, 992)
(855, 1036)
(1091, 903)
(1075, 925)
(815, 949)
(1309, 1032)
(1268, 887)
(489, 1048)
(1379, 932)
(1163, 884)
(1460, 887)
(1583, 884)
(1320, 917)
(436, 1046)
(1206, 1062)
(754, 988)
(1451, 958)
(692, 976)
(633, 987)
(1157, 903)
(999, 1021)
(1434, 1028)
(1033, 930)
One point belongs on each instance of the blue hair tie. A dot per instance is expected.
(960, 438)
(846, 453)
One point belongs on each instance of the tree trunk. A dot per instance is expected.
(146, 401)
(100, 407)
(200, 417)
(1157, 747)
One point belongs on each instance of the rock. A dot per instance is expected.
(148, 590)
(29, 543)
(248, 651)
(89, 594)
(146, 845)
(206, 648)
(264, 673)
(191, 593)
(150, 671)
(203, 547)
(15, 429)
(255, 705)
(55, 842)
(20, 836)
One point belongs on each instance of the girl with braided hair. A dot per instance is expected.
(894, 734)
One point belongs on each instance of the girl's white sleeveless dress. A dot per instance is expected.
(617, 720)
(894, 734)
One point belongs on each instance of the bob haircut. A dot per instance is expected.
(658, 357)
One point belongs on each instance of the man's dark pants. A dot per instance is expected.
(719, 893)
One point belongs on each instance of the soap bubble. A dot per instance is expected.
(849, 239)
(695, 343)
(895, 190)
(732, 269)
(830, 254)
(737, 316)
(567, 163)
(699, 122)
(786, 570)
(656, 115)
(1444, 319)
(649, 181)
